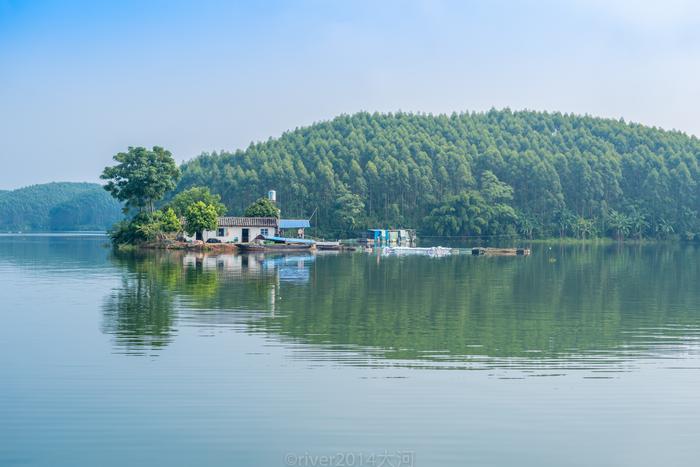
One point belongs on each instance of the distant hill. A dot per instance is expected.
(58, 207)
(493, 173)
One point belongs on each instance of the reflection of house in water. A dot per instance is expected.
(286, 268)
(291, 268)
(225, 262)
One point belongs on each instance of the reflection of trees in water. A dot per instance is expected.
(552, 305)
(558, 302)
(141, 312)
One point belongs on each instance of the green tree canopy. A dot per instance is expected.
(185, 199)
(170, 221)
(58, 207)
(200, 217)
(559, 174)
(263, 207)
(141, 176)
(349, 208)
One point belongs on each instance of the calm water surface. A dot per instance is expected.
(573, 356)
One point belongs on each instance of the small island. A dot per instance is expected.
(191, 219)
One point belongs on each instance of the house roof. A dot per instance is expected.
(294, 224)
(247, 222)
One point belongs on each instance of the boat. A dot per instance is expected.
(328, 246)
(435, 251)
(263, 243)
(273, 247)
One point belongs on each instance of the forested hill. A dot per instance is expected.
(58, 207)
(493, 173)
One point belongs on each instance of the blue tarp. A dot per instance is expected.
(288, 240)
(294, 224)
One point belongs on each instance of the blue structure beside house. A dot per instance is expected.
(294, 224)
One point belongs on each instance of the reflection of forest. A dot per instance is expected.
(156, 286)
(613, 302)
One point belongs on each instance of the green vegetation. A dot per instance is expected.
(187, 198)
(141, 177)
(146, 227)
(529, 173)
(200, 217)
(263, 207)
(58, 207)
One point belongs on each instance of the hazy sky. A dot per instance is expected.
(81, 80)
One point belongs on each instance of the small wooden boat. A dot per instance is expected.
(328, 246)
(274, 247)
(277, 244)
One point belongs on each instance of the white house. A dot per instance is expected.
(239, 229)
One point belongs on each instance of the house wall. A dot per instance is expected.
(232, 234)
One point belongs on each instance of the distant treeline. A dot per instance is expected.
(58, 207)
(496, 173)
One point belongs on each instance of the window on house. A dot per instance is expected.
(264, 232)
(221, 233)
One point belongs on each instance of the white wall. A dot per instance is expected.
(232, 234)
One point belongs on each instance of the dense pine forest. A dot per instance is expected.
(523, 173)
(58, 207)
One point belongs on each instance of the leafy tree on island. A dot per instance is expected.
(141, 177)
(145, 227)
(200, 217)
(170, 221)
(262, 208)
(158, 224)
(185, 199)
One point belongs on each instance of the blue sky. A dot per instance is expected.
(81, 80)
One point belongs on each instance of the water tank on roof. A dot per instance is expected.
(272, 196)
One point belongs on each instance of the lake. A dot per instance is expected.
(576, 355)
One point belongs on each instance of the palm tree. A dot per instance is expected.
(620, 223)
(639, 223)
(663, 228)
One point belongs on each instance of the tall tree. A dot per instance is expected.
(141, 177)
(200, 217)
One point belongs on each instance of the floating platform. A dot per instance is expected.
(480, 251)
(435, 251)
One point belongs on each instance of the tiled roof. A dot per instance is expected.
(247, 222)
